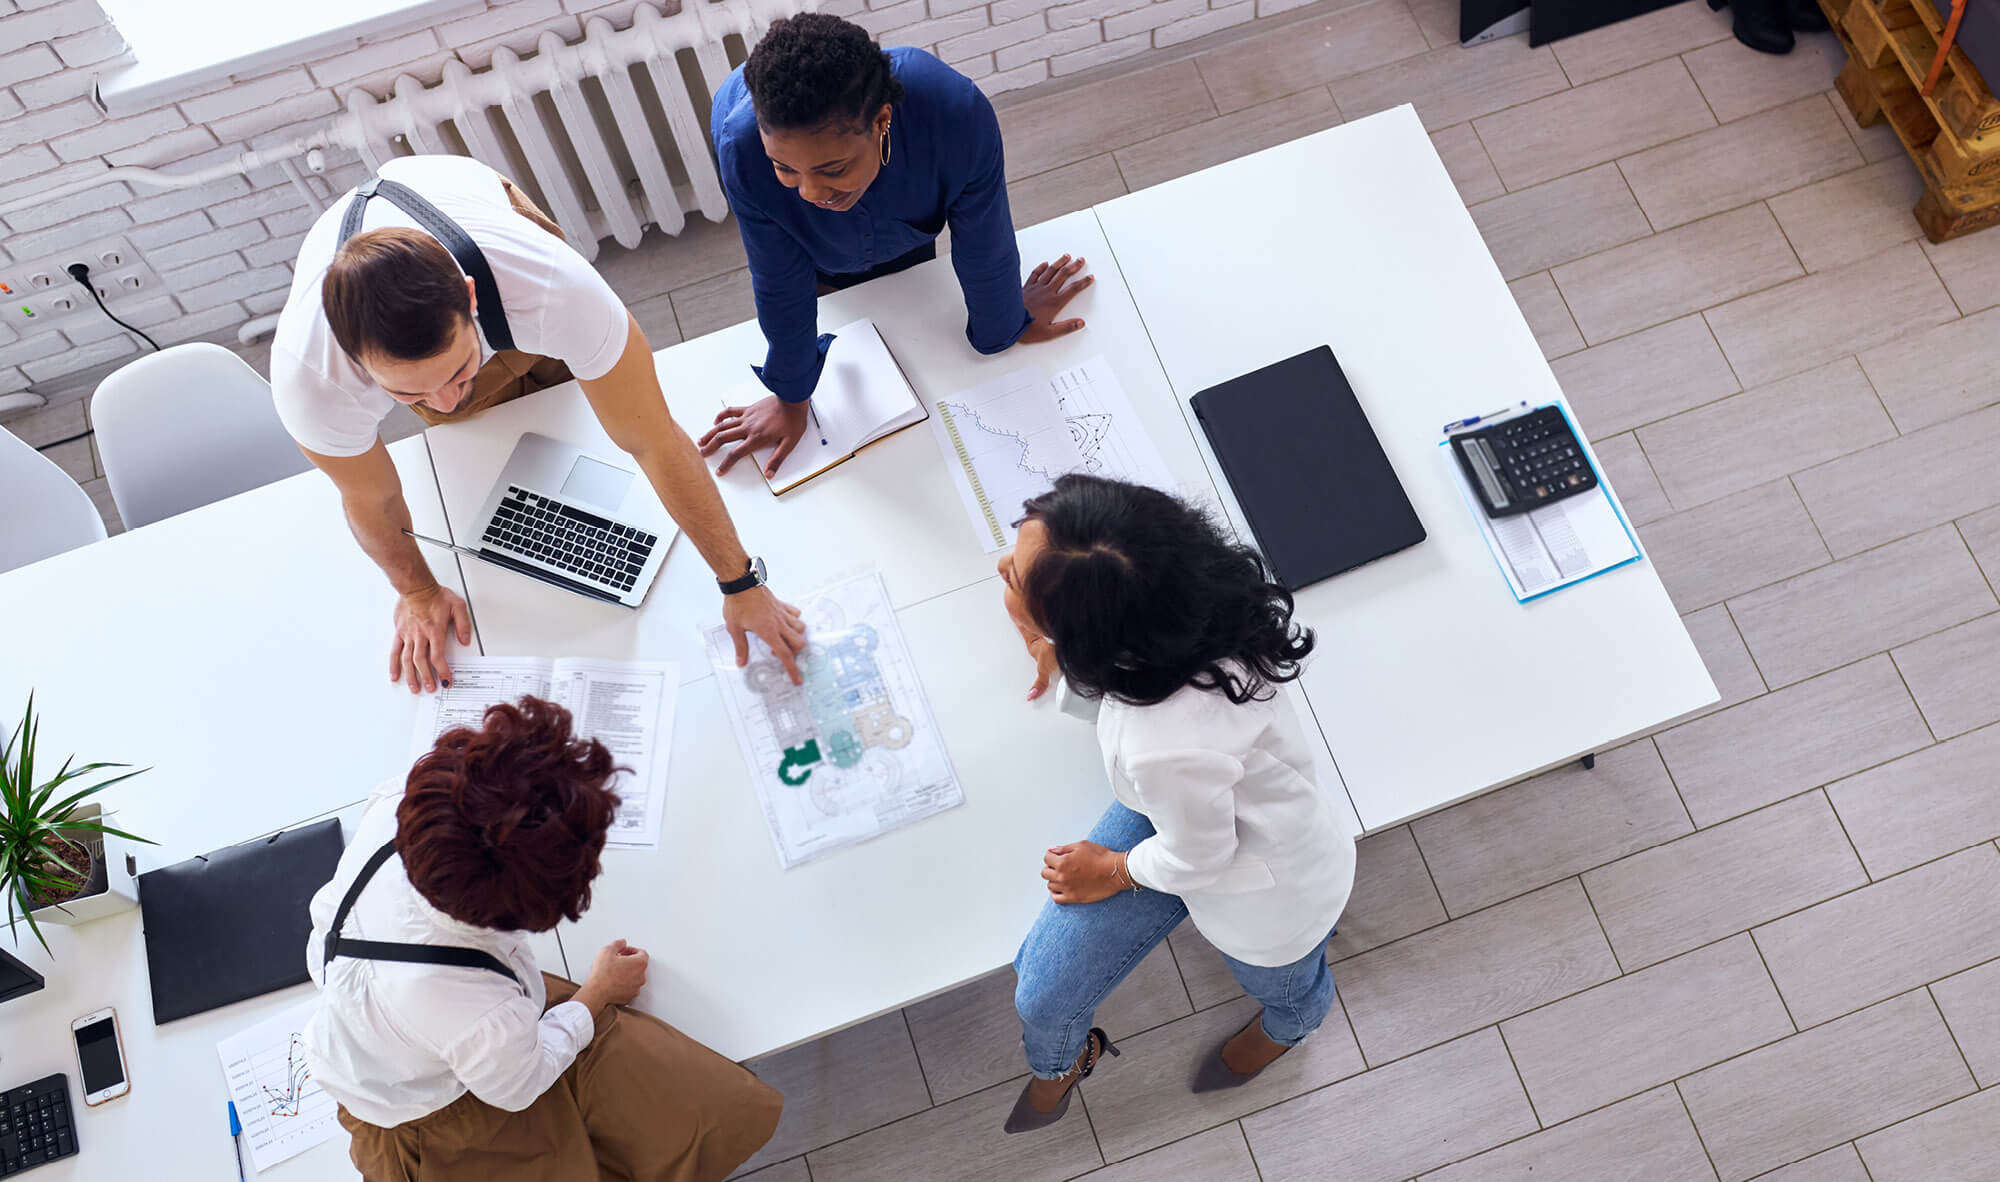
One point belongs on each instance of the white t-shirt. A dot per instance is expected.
(557, 304)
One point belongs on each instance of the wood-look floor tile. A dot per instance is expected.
(1438, 19)
(1622, 462)
(661, 262)
(1747, 439)
(1049, 131)
(1723, 879)
(1739, 543)
(656, 319)
(1450, 85)
(1970, 268)
(1810, 321)
(1646, 1028)
(1816, 1089)
(1305, 54)
(1738, 81)
(1226, 137)
(1427, 1111)
(1551, 223)
(970, 1038)
(76, 460)
(1530, 834)
(1547, 316)
(1037, 199)
(1141, 1100)
(1907, 484)
(1219, 1155)
(1646, 1137)
(1593, 123)
(1640, 41)
(1645, 377)
(1657, 279)
(1792, 739)
(790, 1170)
(1951, 676)
(1923, 805)
(1888, 937)
(1878, 142)
(1938, 374)
(1955, 1141)
(1981, 532)
(1846, 218)
(714, 304)
(1475, 971)
(1839, 1164)
(1737, 163)
(64, 420)
(1729, 664)
(1465, 160)
(845, 1083)
(100, 496)
(1970, 1002)
(964, 1138)
(1876, 600)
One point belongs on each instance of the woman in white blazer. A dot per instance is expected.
(1150, 610)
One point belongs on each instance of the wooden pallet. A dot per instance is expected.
(1953, 135)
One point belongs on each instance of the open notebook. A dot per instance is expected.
(862, 396)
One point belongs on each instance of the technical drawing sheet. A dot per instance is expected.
(1008, 439)
(853, 752)
(284, 1113)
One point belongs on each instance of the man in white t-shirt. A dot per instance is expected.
(389, 317)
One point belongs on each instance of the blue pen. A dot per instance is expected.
(1476, 419)
(236, 1140)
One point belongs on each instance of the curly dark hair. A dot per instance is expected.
(501, 827)
(1142, 595)
(814, 71)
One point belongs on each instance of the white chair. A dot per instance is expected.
(186, 426)
(42, 511)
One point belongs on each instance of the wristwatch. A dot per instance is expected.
(754, 575)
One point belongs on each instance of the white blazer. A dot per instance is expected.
(1242, 832)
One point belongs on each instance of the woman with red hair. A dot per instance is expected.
(451, 1054)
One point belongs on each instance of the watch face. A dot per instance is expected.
(757, 568)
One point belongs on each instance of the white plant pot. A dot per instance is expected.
(120, 892)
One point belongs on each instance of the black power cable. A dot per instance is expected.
(81, 273)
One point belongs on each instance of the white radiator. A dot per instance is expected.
(611, 132)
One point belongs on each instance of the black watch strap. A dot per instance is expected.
(753, 576)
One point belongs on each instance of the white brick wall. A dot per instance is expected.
(224, 249)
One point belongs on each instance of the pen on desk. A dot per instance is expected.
(1476, 419)
(236, 1140)
(816, 423)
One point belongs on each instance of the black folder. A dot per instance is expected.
(1320, 494)
(232, 924)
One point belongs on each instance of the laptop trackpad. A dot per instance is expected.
(596, 483)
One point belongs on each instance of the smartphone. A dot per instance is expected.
(100, 1056)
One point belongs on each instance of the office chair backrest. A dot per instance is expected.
(42, 511)
(186, 426)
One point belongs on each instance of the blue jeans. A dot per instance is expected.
(1078, 952)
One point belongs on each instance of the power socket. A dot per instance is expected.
(38, 295)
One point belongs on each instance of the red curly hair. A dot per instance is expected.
(501, 827)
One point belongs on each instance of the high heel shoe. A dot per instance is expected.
(1215, 1073)
(1026, 1118)
(1763, 25)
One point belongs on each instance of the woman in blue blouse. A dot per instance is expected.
(842, 162)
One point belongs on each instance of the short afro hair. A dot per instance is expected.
(501, 827)
(813, 71)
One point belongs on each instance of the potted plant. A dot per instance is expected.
(53, 862)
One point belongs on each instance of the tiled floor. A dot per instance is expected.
(1763, 943)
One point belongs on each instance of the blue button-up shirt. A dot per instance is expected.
(945, 166)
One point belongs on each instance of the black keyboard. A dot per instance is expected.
(593, 549)
(1525, 462)
(35, 1125)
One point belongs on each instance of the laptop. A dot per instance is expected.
(1296, 447)
(16, 978)
(580, 522)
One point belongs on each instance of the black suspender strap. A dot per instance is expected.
(492, 317)
(338, 945)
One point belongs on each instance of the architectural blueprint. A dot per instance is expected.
(853, 752)
(1008, 440)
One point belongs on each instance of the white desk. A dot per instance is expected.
(1431, 683)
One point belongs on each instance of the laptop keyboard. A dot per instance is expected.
(594, 549)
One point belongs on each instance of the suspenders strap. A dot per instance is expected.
(338, 945)
(492, 317)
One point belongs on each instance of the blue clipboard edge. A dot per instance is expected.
(1604, 486)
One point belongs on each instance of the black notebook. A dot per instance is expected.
(232, 924)
(1307, 469)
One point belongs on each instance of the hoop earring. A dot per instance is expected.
(885, 147)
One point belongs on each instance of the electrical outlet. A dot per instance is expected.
(38, 295)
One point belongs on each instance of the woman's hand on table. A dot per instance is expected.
(1084, 872)
(768, 422)
(1049, 288)
(616, 977)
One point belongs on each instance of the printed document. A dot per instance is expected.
(284, 1113)
(1543, 549)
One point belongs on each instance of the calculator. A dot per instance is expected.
(35, 1124)
(1523, 463)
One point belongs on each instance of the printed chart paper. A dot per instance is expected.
(852, 753)
(284, 1113)
(1008, 440)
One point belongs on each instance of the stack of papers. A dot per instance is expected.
(1552, 547)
